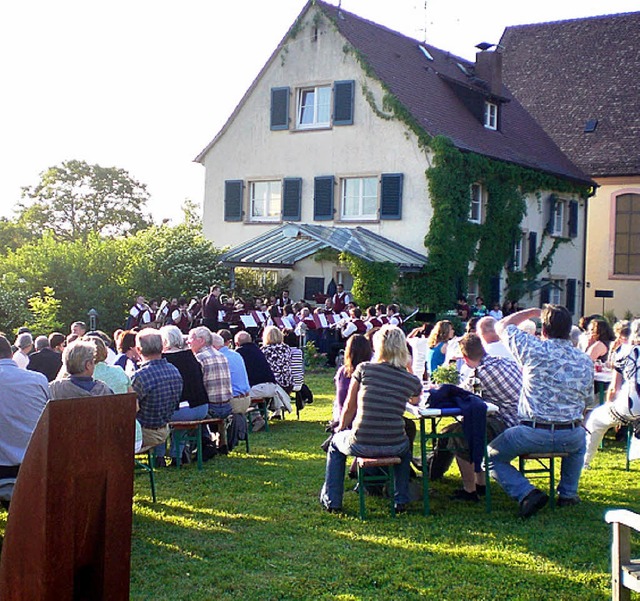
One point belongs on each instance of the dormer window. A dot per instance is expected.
(490, 115)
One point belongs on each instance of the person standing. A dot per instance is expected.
(211, 307)
(557, 382)
(340, 299)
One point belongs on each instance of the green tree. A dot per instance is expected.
(44, 308)
(13, 303)
(12, 235)
(75, 199)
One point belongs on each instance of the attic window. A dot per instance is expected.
(490, 115)
(314, 33)
(425, 52)
(590, 126)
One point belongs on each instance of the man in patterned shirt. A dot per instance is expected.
(158, 385)
(557, 380)
(500, 380)
(216, 375)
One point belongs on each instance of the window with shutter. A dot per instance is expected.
(391, 196)
(291, 199)
(627, 234)
(570, 302)
(279, 108)
(233, 200)
(359, 198)
(343, 93)
(573, 219)
(313, 108)
(265, 200)
(532, 248)
(323, 198)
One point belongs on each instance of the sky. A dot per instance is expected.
(145, 85)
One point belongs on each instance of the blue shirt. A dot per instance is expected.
(239, 378)
(557, 379)
(23, 398)
(158, 385)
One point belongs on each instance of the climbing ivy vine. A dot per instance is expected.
(372, 282)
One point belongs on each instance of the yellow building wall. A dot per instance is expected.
(600, 251)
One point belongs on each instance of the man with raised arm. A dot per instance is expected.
(557, 380)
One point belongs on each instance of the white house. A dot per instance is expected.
(316, 156)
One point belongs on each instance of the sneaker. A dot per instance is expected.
(462, 495)
(401, 508)
(329, 509)
(567, 501)
(481, 489)
(533, 503)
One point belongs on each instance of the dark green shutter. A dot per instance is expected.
(391, 196)
(545, 293)
(494, 292)
(573, 219)
(233, 200)
(571, 296)
(291, 197)
(279, 108)
(343, 102)
(323, 198)
(551, 209)
(531, 251)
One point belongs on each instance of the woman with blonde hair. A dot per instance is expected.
(371, 423)
(437, 342)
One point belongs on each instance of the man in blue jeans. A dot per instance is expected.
(557, 380)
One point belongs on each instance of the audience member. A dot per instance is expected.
(24, 344)
(623, 397)
(486, 329)
(241, 400)
(437, 342)
(24, 396)
(79, 361)
(557, 383)
(158, 385)
(45, 360)
(372, 424)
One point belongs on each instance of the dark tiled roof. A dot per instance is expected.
(569, 72)
(425, 88)
(289, 243)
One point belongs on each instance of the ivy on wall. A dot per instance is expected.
(372, 282)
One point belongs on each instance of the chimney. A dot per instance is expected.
(489, 68)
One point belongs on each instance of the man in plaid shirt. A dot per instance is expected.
(501, 382)
(216, 374)
(158, 385)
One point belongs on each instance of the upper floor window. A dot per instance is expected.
(266, 201)
(518, 248)
(359, 198)
(313, 107)
(557, 219)
(555, 292)
(316, 107)
(477, 203)
(627, 235)
(490, 115)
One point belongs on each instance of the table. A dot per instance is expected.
(434, 417)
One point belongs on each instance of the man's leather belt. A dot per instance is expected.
(551, 426)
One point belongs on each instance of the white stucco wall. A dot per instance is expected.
(249, 150)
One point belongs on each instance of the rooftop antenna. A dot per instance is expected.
(340, 15)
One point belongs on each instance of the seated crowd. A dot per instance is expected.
(191, 361)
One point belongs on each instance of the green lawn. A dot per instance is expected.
(251, 527)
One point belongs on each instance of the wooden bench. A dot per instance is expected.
(386, 476)
(625, 572)
(191, 431)
(542, 468)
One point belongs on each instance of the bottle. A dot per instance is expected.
(477, 384)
